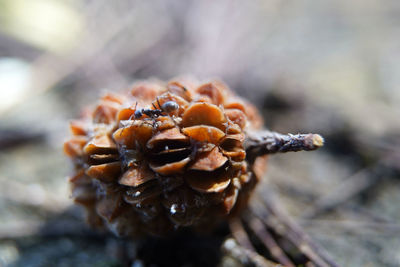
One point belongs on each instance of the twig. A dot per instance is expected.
(246, 247)
(284, 226)
(13, 137)
(392, 229)
(245, 256)
(266, 238)
(349, 188)
(267, 142)
(240, 234)
(13, 47)
(257, 259)
(59, 228)
(371, 215)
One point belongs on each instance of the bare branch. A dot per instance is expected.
(274, 218)
(246, 247)
(267, 142)
(268, 240)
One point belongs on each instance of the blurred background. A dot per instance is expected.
(329, 67)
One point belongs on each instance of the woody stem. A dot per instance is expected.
(266, 142)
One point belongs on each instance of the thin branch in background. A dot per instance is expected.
(369, 214)
(240, 234)
(346, 190)
(275, 219)
(353, 226)
(247, 248)
(10, 138)
(11, 47)
(269, 242)
(58, 228)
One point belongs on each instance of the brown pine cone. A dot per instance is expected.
(163, 156)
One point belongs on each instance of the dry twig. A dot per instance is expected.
(267, 142)
(349, 188)
(59, 228)
(246, 247)
(267, 239)
(10, 138)
(276, 220)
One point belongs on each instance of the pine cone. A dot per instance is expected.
(164, 156)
